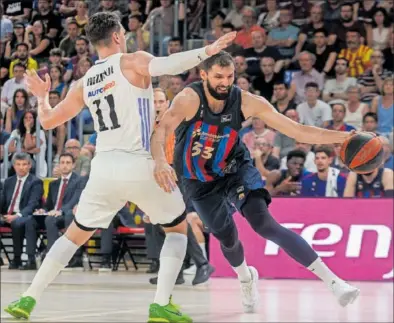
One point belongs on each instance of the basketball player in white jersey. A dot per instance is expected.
(118, 92)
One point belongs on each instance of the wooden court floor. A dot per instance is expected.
(125, 297)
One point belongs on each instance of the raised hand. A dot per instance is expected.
(222, 43)
(36, 85)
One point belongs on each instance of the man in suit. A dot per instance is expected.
(59, 203)
(21, 195)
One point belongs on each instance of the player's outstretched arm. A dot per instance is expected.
(67, 109)
(146, 64)
(257, 106)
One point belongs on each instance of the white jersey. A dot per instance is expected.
(123, 114)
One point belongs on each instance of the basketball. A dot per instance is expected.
(362, 153)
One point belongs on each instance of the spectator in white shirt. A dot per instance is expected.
(314, 112)
(235, 16)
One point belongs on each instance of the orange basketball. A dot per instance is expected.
(362, 153)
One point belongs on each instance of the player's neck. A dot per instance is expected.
(105, 52)
(323, 175)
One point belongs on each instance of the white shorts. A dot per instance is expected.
(119, 177)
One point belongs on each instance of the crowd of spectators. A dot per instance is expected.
(326, 63)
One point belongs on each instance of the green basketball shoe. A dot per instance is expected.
(21, 308)
(167, 314)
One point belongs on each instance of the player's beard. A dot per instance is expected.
(217, 95)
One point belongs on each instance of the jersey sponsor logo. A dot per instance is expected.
(205, 135)
(101, 90)
(100, 77)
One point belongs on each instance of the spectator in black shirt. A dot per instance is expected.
(52, 23)
(325, 54)
(388, 54)
(260, 50)
(280, 99)
(265, 82)
(17, 10)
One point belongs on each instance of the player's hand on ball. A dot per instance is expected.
(165, 176)
(36, 85)
(222, 43)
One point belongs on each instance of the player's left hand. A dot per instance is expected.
(222, 43)
(36, 85)
(165, 176)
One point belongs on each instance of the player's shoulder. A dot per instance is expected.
(188, 96)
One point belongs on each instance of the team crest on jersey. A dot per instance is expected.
(226, 118)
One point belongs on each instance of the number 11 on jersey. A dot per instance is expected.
(112, 113)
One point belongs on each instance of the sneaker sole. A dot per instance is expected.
(161, 320)
(18, 313)
(349, 298)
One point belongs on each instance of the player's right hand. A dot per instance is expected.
(36, 85)
(165, 176)
(290, 187)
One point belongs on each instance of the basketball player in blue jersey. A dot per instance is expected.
(215, 167)
(118, 92)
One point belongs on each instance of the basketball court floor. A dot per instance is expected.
(125, 296)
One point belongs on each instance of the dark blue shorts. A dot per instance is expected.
(216, 201)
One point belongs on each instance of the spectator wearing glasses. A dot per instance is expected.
(263, 159)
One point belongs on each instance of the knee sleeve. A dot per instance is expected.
(227, 237)
(174, 246)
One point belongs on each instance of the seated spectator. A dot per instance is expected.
(282, 143)
(17, 37)
(259, 130)
(332, 10)
(136, 7)
(301, 9)
(21, 195)
(314, 112)
(27, 134)
(370, 122)
(371, 80)
(109, 6)
(53, 23)
(358, 55)
(328, 181)
(263, 159)
(310, 166)
(56, 73)
(136, 37)
(240, 65)
(281, 100)
(22, 57)
(82, 163)
(244, 36)
(355, 109)
(57, 208)
(336, 160)
(388, 148)
(377, 184)
(177, 84)
(81, 16)
(324, 53)
(338, 115)
(82, 48)
(19, 13)
(307, 75)
(4, 136)
(259, 50)
(39, 43)
(285, 36)
(381, 32)
(233, 49)
(346, 23)
(243, 82)
(67, 44)
(287, 182)
(20, 104)
(270, 18)
(383, 106)
(264, 82)
(337, 88)
(235, 16)
(216, 30)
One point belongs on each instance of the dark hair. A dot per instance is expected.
(21, 126)
(281, 82)
(353, 30)
(21, 156)
(296, 153)
(176, 39)
(22, 44)
(19, 65)
(65, 154)
(340, 104)
(386, 18)
(54, 92)
(26, 105)
(136, 16)
(228, 25)
(223, 59)
(343, 59)
(81, 37)
(59, 68)
(347, 4)
(312, 84)
(101, 26)
(321, 30)
(372, 115)
(72, 22)
(328, 150)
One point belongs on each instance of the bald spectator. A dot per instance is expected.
(82, 163)
(244, 36)
(307, 75)
(235, 16)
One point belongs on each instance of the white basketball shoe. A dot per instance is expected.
(250, 292)
(344, 292)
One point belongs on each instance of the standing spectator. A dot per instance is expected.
(263, 159)
(51, 22)
(379, 38)
(5, 26)
(287, 182)
(27, 134)
(17, 10)
(23, 57)
(82, 16)
(282, 143)
(355, 109)
(67, 44)
(338, 88)
(264, 83)
(21, 195)
(259, 130)
(371, 80)
(307, 75)
(314, 112)
(370, 122)
(270, 18)
(13, 84)
(281, 100)
(338, 116)
(20, 104)
(358, 55)
(377, 184)
(235, 16)
(244, 36)
(383, 106)
(328, 181)
(285, 36)
(136, 38)
(40, 44)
